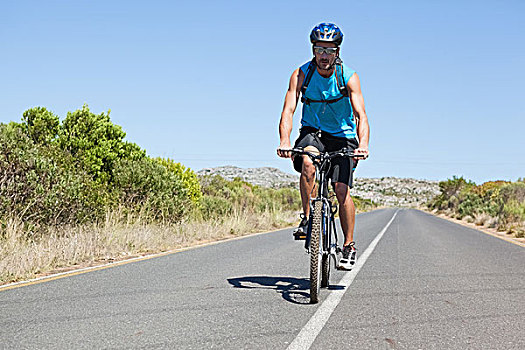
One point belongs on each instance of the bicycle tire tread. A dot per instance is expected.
(315, 240)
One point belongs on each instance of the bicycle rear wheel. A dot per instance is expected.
(326, 258)
(325, 271)
(315, 252)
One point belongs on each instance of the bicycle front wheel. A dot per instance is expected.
(315, 251)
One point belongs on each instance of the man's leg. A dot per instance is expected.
(346, 211)
(347, 216)
(305, 165)
(306, 184)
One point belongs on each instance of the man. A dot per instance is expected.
(332, 118)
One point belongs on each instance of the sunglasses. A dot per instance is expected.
(328, 50)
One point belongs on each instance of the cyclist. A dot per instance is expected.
(333, 117)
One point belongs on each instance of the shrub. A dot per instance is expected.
(188, 177)
(148, 188)
(246, 197)
(362, 204)
(469, 203)
(513, 191)
(96, 142)
(41, 125)
(237, 192)
(75, 172)
(512, 208)
(499, 203)
(269, 199)
(513, 212)
(451, 191)
(43, 186)
(215, 207)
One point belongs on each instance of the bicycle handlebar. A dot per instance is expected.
(344, 152)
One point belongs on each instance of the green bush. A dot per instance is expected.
(215, 207)
(188, 177)
(77, 171)
(512, 207)
(513, 211)
(469, 203)
(41, 125)
(43, 185)
(513, 191)
(363, 204)
(502, 200)
(148, 188)
(244, 196)
(96, 142)
(268, 199)
(452, 191)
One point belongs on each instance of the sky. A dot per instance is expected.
(203, 82)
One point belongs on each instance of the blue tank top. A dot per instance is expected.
(335, 118)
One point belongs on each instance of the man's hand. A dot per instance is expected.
(283, 150)
(361, 153)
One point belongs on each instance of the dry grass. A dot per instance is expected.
(484, 219)
(23, 257)
(468, 219)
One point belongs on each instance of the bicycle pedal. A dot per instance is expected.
(299, 236)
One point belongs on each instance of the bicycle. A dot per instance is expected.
(321, 238)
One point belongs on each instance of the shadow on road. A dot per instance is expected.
(294, 290)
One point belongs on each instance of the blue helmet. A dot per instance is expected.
(326, 32)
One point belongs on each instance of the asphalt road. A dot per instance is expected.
(428, 284)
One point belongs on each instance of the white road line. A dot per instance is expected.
(307, 335)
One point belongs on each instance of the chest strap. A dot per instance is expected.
(307, 100)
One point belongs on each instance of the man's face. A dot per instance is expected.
(325, 59)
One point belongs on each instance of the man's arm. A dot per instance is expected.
(358, 104)
(290, 104)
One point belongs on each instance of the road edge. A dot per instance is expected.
(96, 267)
(517, 241)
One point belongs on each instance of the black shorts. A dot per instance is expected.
(342, 168)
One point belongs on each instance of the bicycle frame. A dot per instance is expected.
(328, 228)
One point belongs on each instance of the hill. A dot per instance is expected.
(388, 191)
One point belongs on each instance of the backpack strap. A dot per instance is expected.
(308, 76)
(340, 78)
